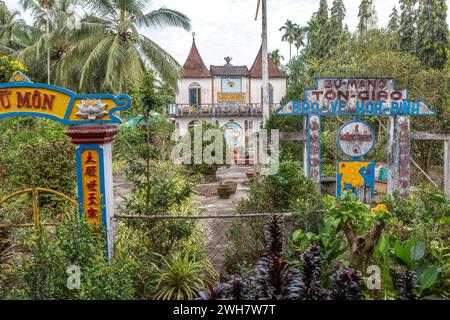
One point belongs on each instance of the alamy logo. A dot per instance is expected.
(74, 277)
(374, 277)
(192, 150)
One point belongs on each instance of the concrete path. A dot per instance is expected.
(216, 229)
(122, 188)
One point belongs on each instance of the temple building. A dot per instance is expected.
(226, 95)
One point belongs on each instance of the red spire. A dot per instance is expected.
(274, 71)
(194, 67)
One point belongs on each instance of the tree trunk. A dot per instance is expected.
(361, 248)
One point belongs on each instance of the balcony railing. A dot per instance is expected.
(243, 109)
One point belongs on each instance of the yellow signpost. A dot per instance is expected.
(232, 97)
(92, 120)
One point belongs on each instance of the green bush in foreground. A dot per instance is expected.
(44, 275)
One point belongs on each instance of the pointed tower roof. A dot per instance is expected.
(194, 67)
(274, 71)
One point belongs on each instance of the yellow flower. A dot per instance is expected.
(380, 208)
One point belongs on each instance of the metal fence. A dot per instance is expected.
(225, 238)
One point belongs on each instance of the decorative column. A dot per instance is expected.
(447, 167)
(399, 164)
(393, 157)
(404, 156)
(314, 149)
(94, 176)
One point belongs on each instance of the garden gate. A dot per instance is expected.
(35, 206)
(359, 97)
(92, 126)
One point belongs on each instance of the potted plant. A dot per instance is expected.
(233, 185)
(224, 191)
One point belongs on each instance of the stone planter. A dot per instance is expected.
(224, 191)
(232, 184)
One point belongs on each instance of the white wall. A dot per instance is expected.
(182, 96)
(183, 122)
(218, 87)
(279, 89)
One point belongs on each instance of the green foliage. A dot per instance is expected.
(286, 191)
(9, 67)
(408, 32)
(337, 16)
(181, 276)
(289, 150)
(394, 21)
(349, 208)
(35, 152)
(44, 274)
(365, 14)
(432, 32)
(327, 237)
(104, 52)
(281, 192)
(289, 29)
(276, 57)
(199, 133)
(318, 37)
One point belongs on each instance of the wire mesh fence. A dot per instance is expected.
(226, 239)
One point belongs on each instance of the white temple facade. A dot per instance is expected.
(227, 95)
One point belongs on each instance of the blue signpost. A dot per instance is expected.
(360, 97)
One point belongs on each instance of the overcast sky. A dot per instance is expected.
(227, 27)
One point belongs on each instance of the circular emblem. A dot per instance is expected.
(356, 138)
(233, 133)
(195, 108)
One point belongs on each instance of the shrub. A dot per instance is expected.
(346, 285)
(181, 276)
(204, 168)
(9, 67)
(287, 190)
(75, 243)
(406, 284)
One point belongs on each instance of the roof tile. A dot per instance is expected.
(229, 70)
(274, 71)
(194, 67)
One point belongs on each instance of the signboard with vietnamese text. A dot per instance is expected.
(90, 177)
(356, 138)
(356, 97)
(231, 97)
(360, 97)
(92, 120)
(58, 104)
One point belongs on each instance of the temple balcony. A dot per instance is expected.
(234, 109)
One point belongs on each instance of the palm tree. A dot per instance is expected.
(58, 40)
(109, 51)
(276, 57)
(12, 29)
(289, 34)
(299, 37)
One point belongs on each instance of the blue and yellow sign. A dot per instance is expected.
(90, 183)
(24, 98)
(356, 176)
(356, 97)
